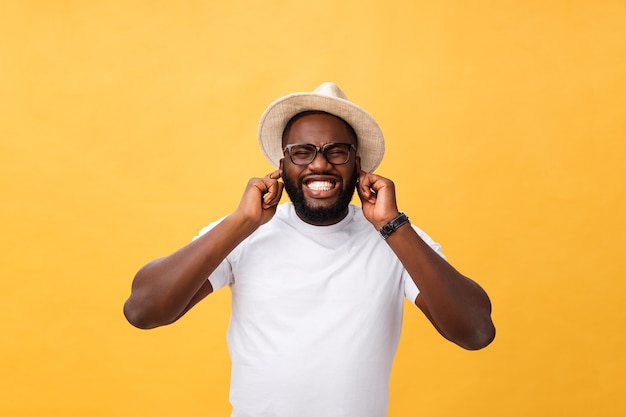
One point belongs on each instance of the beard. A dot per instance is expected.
(320, 215)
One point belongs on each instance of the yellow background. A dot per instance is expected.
(127, 126)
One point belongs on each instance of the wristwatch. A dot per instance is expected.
(393, 225)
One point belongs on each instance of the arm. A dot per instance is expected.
(165, 289)
(457, 306)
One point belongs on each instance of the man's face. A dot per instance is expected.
(320, 191)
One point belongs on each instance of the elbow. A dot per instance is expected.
(143, 308)
(134, 316)
(480, 338)
(137, 316)
(482, 332)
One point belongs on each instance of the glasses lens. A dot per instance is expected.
(302, 154)
(337, 153)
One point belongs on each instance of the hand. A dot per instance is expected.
(378, 199)
(260, 198)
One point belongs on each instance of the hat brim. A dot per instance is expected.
(371, 143)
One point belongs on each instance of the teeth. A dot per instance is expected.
(320, 185)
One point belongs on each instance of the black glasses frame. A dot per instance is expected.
(318, 149)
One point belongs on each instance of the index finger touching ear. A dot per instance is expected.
(274, 175)
(363, 175)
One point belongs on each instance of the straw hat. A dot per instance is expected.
(327, 97)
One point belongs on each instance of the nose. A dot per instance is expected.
(320, 163)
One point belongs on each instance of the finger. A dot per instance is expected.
(365, 187)
(366, 194)
(273, 194)
(274, 175)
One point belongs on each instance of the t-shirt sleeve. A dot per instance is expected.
(222, 276)
(410, 289)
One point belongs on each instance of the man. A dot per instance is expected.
(317, 284)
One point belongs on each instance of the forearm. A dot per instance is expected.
(163, 289)
(458, 307)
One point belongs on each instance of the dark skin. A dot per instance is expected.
(165, 289)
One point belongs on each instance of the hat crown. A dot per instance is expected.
(331, 90)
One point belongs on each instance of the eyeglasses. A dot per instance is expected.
(335, 153)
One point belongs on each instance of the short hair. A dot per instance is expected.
(300, 115)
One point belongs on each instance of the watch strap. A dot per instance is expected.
(393, 225)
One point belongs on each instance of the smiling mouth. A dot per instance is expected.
(320, 185)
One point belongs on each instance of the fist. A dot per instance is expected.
(378, 199)
(260, 198)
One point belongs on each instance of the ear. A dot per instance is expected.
(280, 166)
(357, 164)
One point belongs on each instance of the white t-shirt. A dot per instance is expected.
(316, 317)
